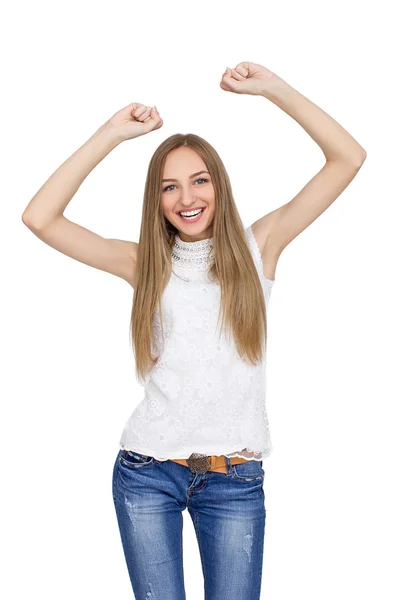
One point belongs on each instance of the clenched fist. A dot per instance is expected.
(135, 120)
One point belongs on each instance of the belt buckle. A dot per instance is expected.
(198, 463)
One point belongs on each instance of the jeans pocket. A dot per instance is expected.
(134, 460)
(251, 470)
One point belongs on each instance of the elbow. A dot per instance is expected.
(361, 158)
(30, 222)
(27, 220)
(363, 155)
(357, 160)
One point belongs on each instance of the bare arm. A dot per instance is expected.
(344, 158)
(44, 213)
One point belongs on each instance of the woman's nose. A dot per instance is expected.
(188, 199)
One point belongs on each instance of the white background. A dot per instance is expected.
(68, 381)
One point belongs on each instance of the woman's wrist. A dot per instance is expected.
(110, 134)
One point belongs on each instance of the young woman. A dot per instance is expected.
(201, 285)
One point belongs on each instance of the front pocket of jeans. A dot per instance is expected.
(134, 460)
(248, 471)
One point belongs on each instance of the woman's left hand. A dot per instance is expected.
(247, 78)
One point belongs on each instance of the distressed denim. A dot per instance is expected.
(228, 513)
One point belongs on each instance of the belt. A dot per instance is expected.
(201, 463)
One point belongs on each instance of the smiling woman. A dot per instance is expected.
(186, 175)
(199, 335)
(189, 194)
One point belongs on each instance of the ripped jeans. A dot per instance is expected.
(228, 513)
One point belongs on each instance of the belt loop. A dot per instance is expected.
(228, 465)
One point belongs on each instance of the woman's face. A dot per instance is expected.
(186, 186)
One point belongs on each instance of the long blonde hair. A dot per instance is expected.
(242, 300)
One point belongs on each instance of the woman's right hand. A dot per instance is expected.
(135, 120)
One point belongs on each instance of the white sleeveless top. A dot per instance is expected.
(200, 396)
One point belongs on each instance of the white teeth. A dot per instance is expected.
(191, 213)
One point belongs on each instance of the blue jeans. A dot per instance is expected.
(228, 513)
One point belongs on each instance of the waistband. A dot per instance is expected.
(218, 463)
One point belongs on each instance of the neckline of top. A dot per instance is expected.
(198, 243)
(193, 256)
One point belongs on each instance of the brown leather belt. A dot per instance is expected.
(200, 463)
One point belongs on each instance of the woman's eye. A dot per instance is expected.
(172, 185)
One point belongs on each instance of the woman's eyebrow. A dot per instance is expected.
(194, 175)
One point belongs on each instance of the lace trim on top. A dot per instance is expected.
(192, 256)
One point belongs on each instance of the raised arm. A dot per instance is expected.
(44, 213)
(344, 157)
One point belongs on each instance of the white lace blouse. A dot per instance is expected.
(200, 396)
